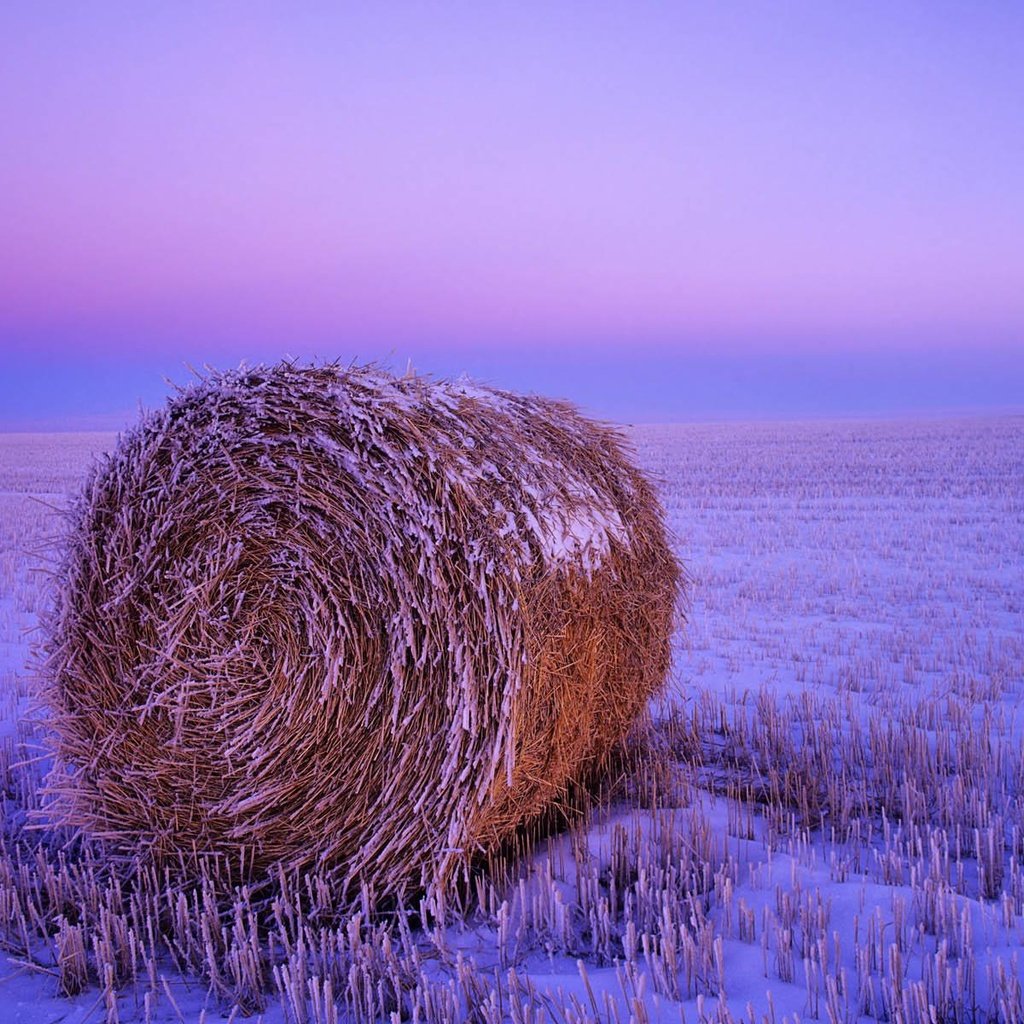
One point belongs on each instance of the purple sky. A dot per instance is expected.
(664, 211)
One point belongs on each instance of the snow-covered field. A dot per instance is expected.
(841, 835)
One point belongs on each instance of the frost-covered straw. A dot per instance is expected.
(324, 616)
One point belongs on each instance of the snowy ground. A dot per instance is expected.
(844, 835)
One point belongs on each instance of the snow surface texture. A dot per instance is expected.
(847, 724)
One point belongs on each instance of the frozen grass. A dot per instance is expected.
(834, 828)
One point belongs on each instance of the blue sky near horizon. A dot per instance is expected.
(665, 389)
(664, 212)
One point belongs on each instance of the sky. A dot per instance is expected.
(663, 211)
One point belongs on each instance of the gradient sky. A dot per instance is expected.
(665, 211)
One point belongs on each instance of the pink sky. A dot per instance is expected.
(249, 179)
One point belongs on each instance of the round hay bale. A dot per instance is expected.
(331, 617)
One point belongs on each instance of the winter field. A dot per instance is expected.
(833, 829)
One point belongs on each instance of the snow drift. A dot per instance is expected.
(317, 616)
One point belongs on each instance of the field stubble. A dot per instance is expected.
(840, 834)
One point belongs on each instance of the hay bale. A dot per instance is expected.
(325, 616)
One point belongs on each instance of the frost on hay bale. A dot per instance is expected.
(330, 617)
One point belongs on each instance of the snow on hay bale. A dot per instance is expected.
(330, 617)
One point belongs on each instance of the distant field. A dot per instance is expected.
(843, 840)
